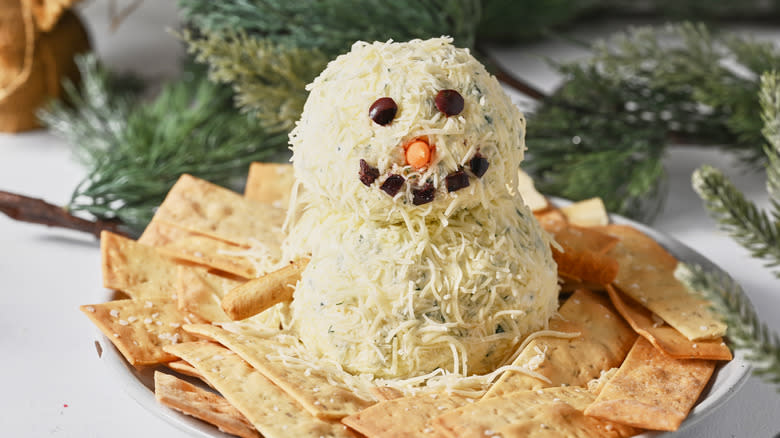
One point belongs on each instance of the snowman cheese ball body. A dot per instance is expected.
(423, 257)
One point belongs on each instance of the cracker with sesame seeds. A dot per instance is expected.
(603, 342)
(159, 234)
(127, 265)
(652, 390)
(210, 210)
(311, 389)
(140, 329)
(216, 254)
(549, 412)
(385, 393)
(581, 255)
(405, 416)
(662, 335)
(551, 219)
(646, 274)
(180, 244)
(270, 409)
(182, 367)
(204, 405)
(270, 183)
(200, 292)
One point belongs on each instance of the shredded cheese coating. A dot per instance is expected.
(413, 293)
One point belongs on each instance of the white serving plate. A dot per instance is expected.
(726, 381)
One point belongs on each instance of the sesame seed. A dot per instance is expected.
(123, 322)
(148, 320)
(90, 309)
(148, 304)
(114, 313)
(132, 319)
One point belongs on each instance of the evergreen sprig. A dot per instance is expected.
(269, 79)
(332, 26)
(268, 50)
(640, 91)
(136, 150)
(745, 329)
(750, 226)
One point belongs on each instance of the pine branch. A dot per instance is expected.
(95, 113)
(746, 223)
(639, 91)
(269, 79)
(738, 216)
(332, 26)
(770, 115)
(34, 210)
(745, 329)
(135, 151)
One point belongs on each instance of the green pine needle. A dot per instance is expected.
(332, 26)
(738, 216)
(269, 79)
(745, 330)
(770, 116)
(640, 91)
(136, 151)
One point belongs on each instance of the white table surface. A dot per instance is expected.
(57, 386)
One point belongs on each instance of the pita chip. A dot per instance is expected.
(652, 390)
(270, 183)
(270, 409)
(663, 336)
(201, 404)
(646, 274)
(602, 341)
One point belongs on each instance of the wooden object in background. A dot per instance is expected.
(38, 42)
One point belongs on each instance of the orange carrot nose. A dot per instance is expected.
(418, 153)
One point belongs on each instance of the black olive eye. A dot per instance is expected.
(450, 102)
(479, 165)
(383, 110)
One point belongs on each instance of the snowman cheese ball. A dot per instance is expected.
(423, 259)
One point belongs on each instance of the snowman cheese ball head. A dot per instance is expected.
(423, 258)
(394, 130)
